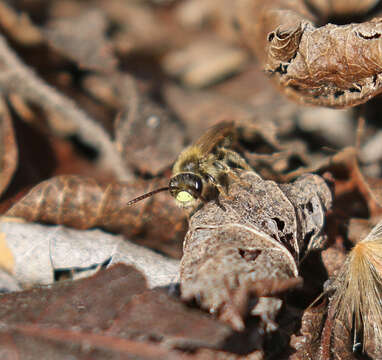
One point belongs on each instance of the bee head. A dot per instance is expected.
(186, 188)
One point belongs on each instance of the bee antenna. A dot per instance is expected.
(144, 196)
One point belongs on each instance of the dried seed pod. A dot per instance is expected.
(358, 290)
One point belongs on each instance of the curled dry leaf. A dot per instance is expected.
(331, 65)
(259, 232)
(8, 148)
(83, 203)
(35, 254)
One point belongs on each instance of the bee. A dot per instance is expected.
(201, 170)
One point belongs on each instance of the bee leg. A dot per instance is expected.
(218, 188)
(234, 160)
(230, 161)
(218, 203)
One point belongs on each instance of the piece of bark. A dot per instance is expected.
(8, 148)
(258, 232)
(84, 203)
(331, 65)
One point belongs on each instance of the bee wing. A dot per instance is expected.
(214, 136)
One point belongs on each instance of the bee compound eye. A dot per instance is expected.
(198, 185)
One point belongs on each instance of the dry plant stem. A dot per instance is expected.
(19, 26)
(371, 151)
(17, 77)
(8, 148)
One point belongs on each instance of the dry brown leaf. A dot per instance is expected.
(332, 8)
(147, 135)
(8, 283)
(159, 316)
(8, 148)
(307, 344)
(83, 203)
(41, 303)
(82, 39)
(336, 339)
(16, 77)
(36, 254)
(78, 315)
(44, 343)
(332, 259)
(322, 338)
(330, 65)
(138, 28)
(259, 232)
(204, 62)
